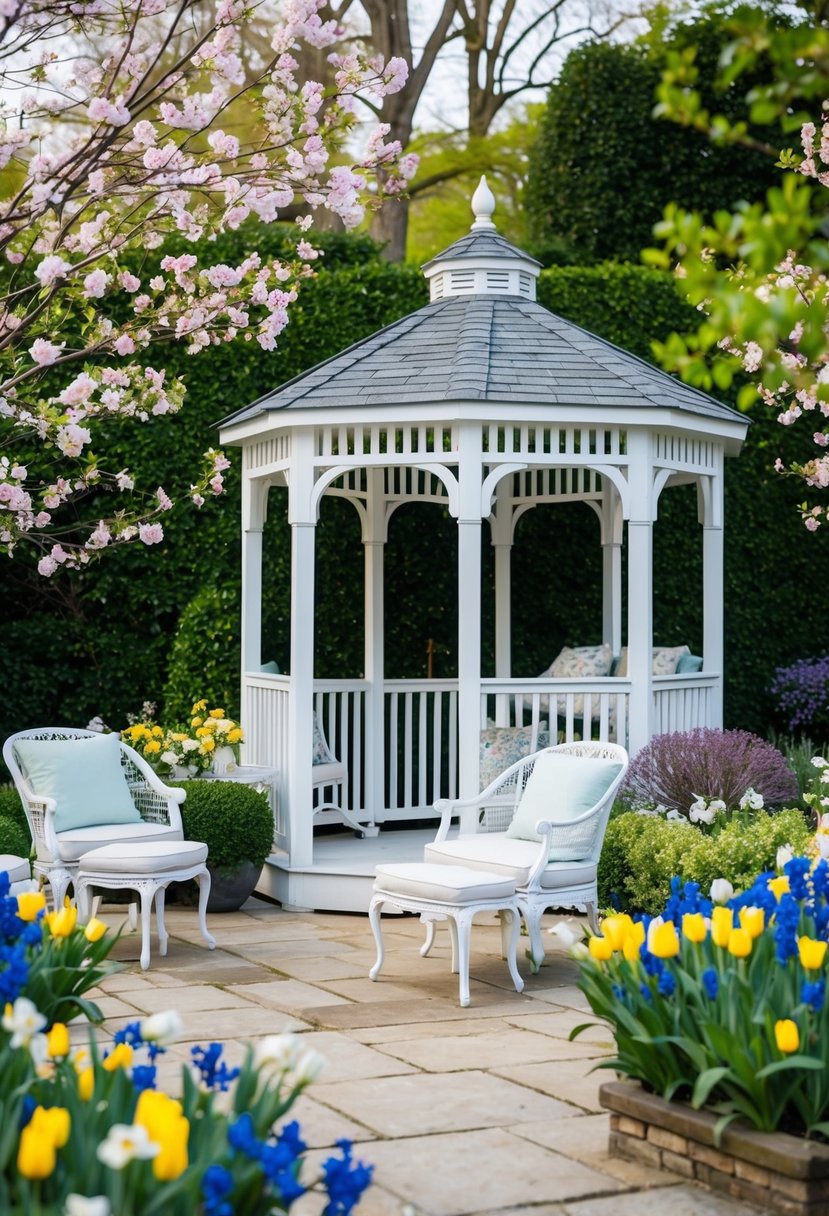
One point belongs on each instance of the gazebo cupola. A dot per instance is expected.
(487, 405)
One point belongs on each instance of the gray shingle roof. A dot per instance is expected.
(488, 348)
(485, 243)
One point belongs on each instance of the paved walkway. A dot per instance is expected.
(486, 1110)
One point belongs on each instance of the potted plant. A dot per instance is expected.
(236, 824)
(209, 741)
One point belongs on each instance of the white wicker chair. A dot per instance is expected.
(57, 853)
(540, 883)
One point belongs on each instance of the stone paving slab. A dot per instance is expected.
(454, 1053)
(570, 1080)
(682, 1200)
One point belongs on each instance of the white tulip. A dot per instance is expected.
(721, 891)
(567, 933)
(309, 1066)
(23, 1020)
(162, 1028)
(784, 855)
(82, 1205)
(655, 924)
(280, 1051)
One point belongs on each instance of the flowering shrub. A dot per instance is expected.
(802, 692)
(191, 748)
(88, 1133)
(734, 995)
(683, 768)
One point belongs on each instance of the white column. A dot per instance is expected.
(611, 533)
(640, 589)
(469, 608)
(374, 537)
(713, 644)
(302, 519)
(254, 512)
(501, 530)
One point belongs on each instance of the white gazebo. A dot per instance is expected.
(489, 405)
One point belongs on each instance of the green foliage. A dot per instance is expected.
(205, 655)
(14, 838)
(233, 820)
(603, 167)
(12, 808)
(641, 855)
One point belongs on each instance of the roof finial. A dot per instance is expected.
(483, 205)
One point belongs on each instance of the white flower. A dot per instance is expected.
(716, 805)
(700, 812)
(169, 757)
(784, 854)
(308, 1067)
(81, 1205)
(823, 844)
(124, 1143)
(23, 1020)
(162, 1028)
(673, 816)
(190, 745)
(751, 800)
(721, 891)
(568, 933)
(820, 761)
(279, 1050)
(655, 924)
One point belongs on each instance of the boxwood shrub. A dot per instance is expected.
(642, 853)
(233, 820)
(14, 838)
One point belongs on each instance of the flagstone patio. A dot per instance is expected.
(487, 1110)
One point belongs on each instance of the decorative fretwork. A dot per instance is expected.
(686, 452)
(529, 440)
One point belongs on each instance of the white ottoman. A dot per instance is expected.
(19, 871)
(453, 894)
(148, 869)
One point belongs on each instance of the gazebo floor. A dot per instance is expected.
(341, 876)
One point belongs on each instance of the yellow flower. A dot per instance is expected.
(753, 920)
(196, 722)
(739, 943)
(600, 948)
(202, 731)
(633, 942)
(779, 886)
(234, 736)
(722, 920)
(162, 1118)
(62, 923)
(198, 707)
(53, 1123)
(86, 1083)
(616, 929)
(29, 904)
(36, 1155)
(178, 736)
(694, 927)
(119, 1057)
(95, 929)
(152, 747)
(786, 1036)
(664, 942)
(208, 744)
(812, 953)
(217, 713)
(57, 1041)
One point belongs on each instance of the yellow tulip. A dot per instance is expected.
(600, 948)
(62, 923)
(753, 920)
(29, 904)
(53, 1123)
(36, 1154)
(811, 953)
(694, 927)
(786, 1036)
(119, 1057)
(722, 920)
(739, 943)
(616, 929)
(57, 1041)
(165, 1124)
(779, 886)
(86, 1084)
(95, 929)
(664, 942)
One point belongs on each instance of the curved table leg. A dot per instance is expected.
(430, 936)
(203, 879)
(461, 924)
(159, 920)
(511, 923)
(374, 907)
(146, 923)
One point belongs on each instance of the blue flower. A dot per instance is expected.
(787, 919)
(216, 1184)
(242, 1137)
(667, 984)
(144, 1076)
(814, 994)
(14, 975)
(26, 1111)
(710, 983)
(797, 871)
(214, 1071)
(344, 1183)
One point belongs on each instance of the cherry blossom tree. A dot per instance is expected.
(119, 130)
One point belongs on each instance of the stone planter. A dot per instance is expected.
(783, 1175)
(230, 888)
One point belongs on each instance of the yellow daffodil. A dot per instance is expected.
(616, 929)
(94, 929)
(119, 1057)
(600, 948)
(694, 927)
(57, 1041)
(739, 943)
(753, 920)
(722, 920)
(664, 942)
(811, 953)
(29, 904)
(779, 886)
(786, 1036)
(62, 923)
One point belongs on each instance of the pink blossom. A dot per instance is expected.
(124, 481)
(51, 269)
(124, 345)
(44, 352)
(78, 390)
(71, 439)
(811, 523)
(197, 498)
(96, 283)
(150, 534)
(128, 281)
(164, 501)
(19, 472)
(47, 566)
(217, 484)
(13, 256)
(100, 538)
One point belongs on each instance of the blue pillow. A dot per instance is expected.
(271, 668)
(561, 787)
(83, 775)
(688, 662)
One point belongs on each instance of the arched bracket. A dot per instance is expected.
(491, 481)
(450, 482)
(619, 481)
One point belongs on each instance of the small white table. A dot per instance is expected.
(454, 894)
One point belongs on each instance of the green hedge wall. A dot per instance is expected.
(160, 624)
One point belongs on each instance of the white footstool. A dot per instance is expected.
(453, 894)
(19, 871)
(147, 868)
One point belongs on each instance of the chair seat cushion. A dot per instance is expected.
(17, 868)
(151, 857)
(496, 853)
(452, 884)
(325, 774)
(72, 845)
(83, 775)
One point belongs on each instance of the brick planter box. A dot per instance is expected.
(783, 1175)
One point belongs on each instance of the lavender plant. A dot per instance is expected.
(679, 769)
(802, 692)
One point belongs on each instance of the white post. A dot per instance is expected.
(301, 518)
(640, 589)
(469, 608)
(254, 512)
(611, 533)
(501, 530)
(374, 536)
(713, 588)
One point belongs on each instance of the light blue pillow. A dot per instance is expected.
(271, 668)
(83, 775)
(561, 787)
(688, 662)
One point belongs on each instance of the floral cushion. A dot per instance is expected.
(319, 748)
(665, 659)
(574, 662)
(501, 746)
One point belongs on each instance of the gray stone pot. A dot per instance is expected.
(229, 888)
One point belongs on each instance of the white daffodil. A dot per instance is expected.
(124, 1143)
(279, 1051)
(721, 891)
(162, 1028)
(22, 1020)
(83, 1205)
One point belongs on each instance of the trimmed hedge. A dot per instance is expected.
(233, 820)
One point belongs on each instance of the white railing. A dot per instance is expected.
(266, 715)
(340, 707)
(684, 702)
(421, 746)
(603, 703)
